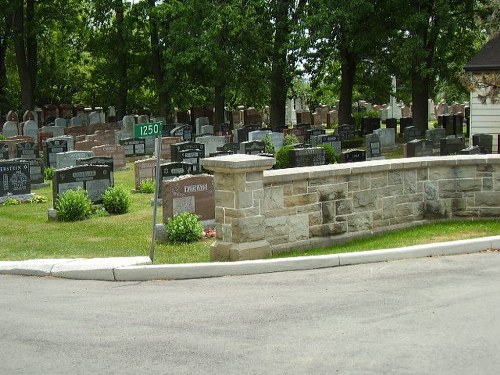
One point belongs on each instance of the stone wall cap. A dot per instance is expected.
(238, 162)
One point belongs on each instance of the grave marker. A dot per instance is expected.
(15, 178)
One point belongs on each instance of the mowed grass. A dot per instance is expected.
(26, 233)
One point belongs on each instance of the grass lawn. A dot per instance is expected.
(26, 233)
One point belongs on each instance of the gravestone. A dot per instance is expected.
(484, 141)
(471, 150)
(392, 123)
(304, 117)
(128, 125)
(369, 124)
(193, 194)
(10, 129)
(346, 132)
(169, 171)
(332, 118)
(95, 118)
(95, 179)
(117, 152)
(66, 111)
(252, 116)
(458, 123)
(29, 115)
(61, 122)
(134, 147)
(372, 142)
(52, 147)
(207, 130)
(75, 121)
(451, 145)
(75, 131)
(166, 147)
(87, 145)
(14, 178)
(307, 157)
(12, 116)
(144, 170)
(99, 160)
(188, 152)
(183, 131)
(27, 150)
(232, 147)
(411, 133)
(56, 131)
(418, 148)
(242, 133)
(252, 147)
(404, 122)
(353, 156)
(30, 128)
(36, 171)
(328, 139)
(313, 133)
(69, 158)
(199, 122)
(7, 149)
(435, 135)
(387, 137)
(299, 131)
(211, 143)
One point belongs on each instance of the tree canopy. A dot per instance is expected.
(170, 54)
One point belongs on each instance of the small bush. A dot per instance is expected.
(73, 205)
(283, 157)
(11, 202)
(116, 200)
(2, 137)
(184, 227)
(147, 186)
(48, 173)
(290, 139)
(268, 144)
(331, 156)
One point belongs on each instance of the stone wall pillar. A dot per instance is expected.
(239, 217)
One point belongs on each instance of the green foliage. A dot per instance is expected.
(2, 137)
(268, 144)
(11, 202)
(73, 205)
(38, 199)
(116, 200)
(283, 157)
(184, 227)
(290, 139)
(331, 156)
(48, 173)
(147, 186)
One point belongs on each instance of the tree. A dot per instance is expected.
(430, 46)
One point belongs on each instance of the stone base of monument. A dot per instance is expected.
(39, 186)
(52, 214)
(220, 251)
(21, 197)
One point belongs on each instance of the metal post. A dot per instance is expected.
(155, 198)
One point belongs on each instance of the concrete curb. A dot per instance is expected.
(140, 268)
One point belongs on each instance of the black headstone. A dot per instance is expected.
(307, 157)
(451, 145)
(353, 156)
(411, 133)
(15, 178)
(418, 147)
(51, 147)
(134, 147)
(484, 141)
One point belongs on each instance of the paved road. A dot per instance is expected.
(423, 316)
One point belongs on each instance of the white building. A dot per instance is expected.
(484, 113)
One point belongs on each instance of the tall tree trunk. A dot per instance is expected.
(220, 100)
(279, 86)
(122, 60)
(164, 98)
(31, 45)
(23, 68)
(3, 68)
(348, 71)
(419, 95)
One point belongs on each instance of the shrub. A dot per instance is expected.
(147, 186)
(116, 200)
(290, 139)
(73, 205)
(268, 144)
(184, 227)
(48, 173)
(2, 137)
(283, 157)
(331, 156)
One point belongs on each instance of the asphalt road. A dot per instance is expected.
(423, 316)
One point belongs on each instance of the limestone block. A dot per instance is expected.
(300, 200)
(328, 212)
(273, 198)
(315, 218)
(299, 187)
(330, 229)
(298, 227)
(276, 226)
(243, 199)
(395, 177)
(332, 192)
(359, 221)
(248, 229)
(489, 212)
(487, 184)
(224, 199)
(364, 199)
(487, 199)
(343, 207)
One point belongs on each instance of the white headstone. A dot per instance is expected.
(95, 118)
(211, 143)
(61, 122)
(10, 129)
(30, 128)
(69, 158)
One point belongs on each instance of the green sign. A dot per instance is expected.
(152, 129)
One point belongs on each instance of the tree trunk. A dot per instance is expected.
(3, 69)
(348, 71)
(220, 99)
(420, 95)
(122, 60)
(279, 86)
(27, 98)
(164, 99)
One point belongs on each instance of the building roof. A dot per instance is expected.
(488, 58)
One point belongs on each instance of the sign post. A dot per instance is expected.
(153, 129)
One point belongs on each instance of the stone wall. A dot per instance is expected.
(260, 212)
